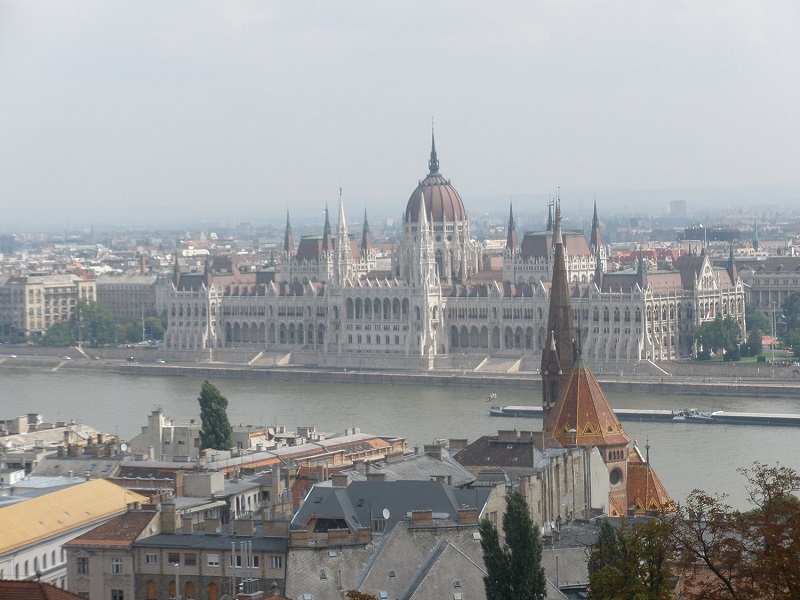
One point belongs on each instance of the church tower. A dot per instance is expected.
(558, 353)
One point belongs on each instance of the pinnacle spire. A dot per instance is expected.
(365, 241)
(550, 214)
(511, 237)
(327, 242)
(288, 239)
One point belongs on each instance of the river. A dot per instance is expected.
(685, 455)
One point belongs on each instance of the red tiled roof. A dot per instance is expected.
(32, 590)
(645, 490)
(583, 406)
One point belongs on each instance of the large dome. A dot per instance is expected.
(442, 201)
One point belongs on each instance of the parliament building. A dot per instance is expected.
(438, 305)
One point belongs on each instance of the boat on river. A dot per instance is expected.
(693, 416)
(687, 415)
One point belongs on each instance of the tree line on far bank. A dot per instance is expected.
(92, 324)
(723, 337)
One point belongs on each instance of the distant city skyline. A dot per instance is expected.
(115, 114)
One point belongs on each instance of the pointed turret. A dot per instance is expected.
(288, 240)
(366, 242)
(425, 258)
(511, 238)
(595, 240)
(641, 271)
(598, 270)
(327, 242)
(557, 357)
(550, 215)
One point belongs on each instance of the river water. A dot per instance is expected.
(685, 455)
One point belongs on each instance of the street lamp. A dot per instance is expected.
(177, 581)
(774, 309)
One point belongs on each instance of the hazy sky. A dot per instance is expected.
(242, 109)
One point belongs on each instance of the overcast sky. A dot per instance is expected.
(114, 110)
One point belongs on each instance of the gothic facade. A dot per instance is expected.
(327, 303)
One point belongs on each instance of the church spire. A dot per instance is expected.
(558, 355)
(550, 215)
(511, 237)
(288, 239)
(433, 163)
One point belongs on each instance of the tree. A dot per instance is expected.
(729, 554)
(215, 431)
(59, 334)
(755, 345)
(514, 571)
(719, 334)
(631, 561)
(757, 319)
(356, 595)
(791, 310)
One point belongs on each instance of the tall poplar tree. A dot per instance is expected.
(514, 571)
(215, 431)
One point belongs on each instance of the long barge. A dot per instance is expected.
(689, 415)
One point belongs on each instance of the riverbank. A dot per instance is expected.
(706, 385)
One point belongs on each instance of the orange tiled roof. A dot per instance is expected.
(616, 504)
(583, 406)
(645, 490)
(120, 531)
(32, 590)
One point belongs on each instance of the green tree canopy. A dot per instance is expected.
(215, 431)
(758, 320)
(755, 345)
(791, 310)
(59, 334)
(514, 571)
(719, 334)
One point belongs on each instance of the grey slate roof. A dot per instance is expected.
(206, 541)
(361, 500)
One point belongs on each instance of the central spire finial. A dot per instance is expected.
(433, 163)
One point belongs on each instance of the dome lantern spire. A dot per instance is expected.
(433, 163)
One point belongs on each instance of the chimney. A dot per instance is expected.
(298, 537)
(212, 526)
(179, 486)
(435, 450)
(244, 527)
(458, 444)
(169, 517)
(276, 529)
(421, 518)
(394, 457)
(60, 451)
(467, 516)
(187, 525)
(376, 476)
(339, 480)
(358, 465)
(507, 435)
